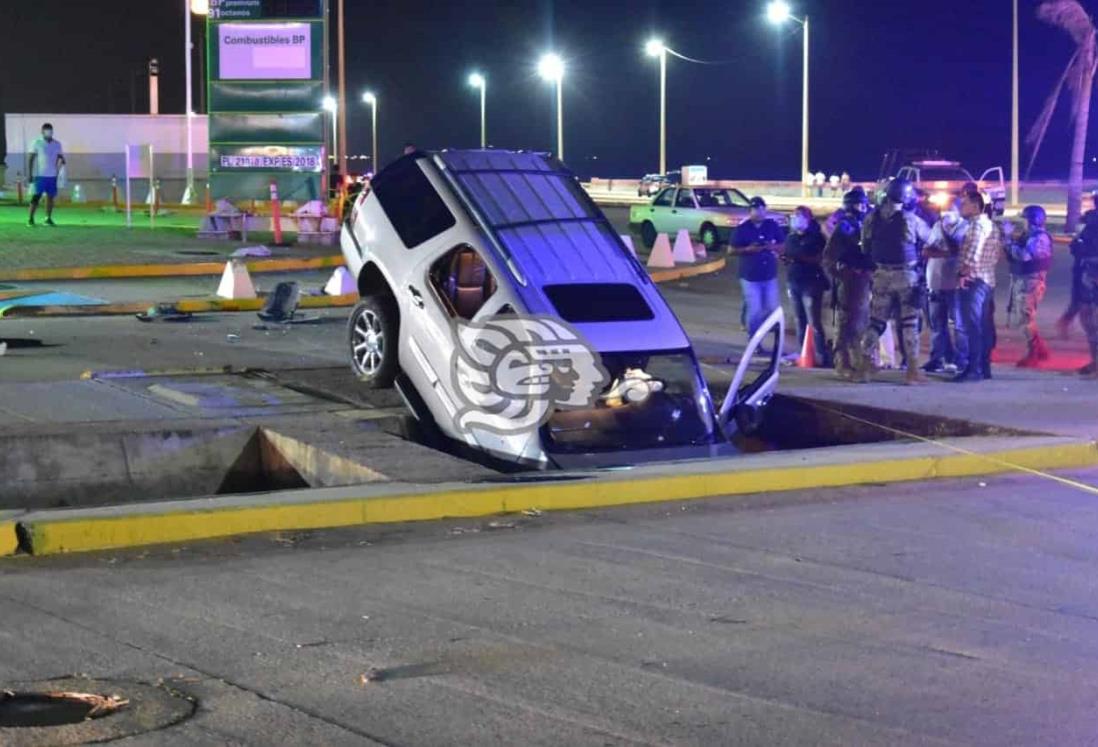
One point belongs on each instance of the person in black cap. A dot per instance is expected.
(757, 242)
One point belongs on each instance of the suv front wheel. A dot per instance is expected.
(372, 339)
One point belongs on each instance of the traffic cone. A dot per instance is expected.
(661, 256)
(628, 241)
(683, 252)
(807, 358)
(235, 281)
(342, 283)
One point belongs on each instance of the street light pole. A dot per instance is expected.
(476, 80)
(188, 191)
(551, 68)
(341, 154)
(371, 99)
(1014, 146)
(778, 12)
(804, 107)
(332, 107)
(656, 48)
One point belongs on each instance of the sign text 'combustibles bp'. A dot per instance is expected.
(268, 51)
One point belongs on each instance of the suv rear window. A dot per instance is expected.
(411, 203)
(599, 302)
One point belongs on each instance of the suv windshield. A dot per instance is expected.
(948, 174)
(653, 401)
(717, 198)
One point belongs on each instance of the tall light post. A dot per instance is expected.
(476, 80)
(371, 99)
(778, 12)
(1014, 147)
(551, 69)
(656, 48)
(332, 106)
(199, 8)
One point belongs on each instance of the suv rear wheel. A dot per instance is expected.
(372, 339)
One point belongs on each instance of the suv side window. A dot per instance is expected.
(411, 203)
(462, 281)
(685, 198)
(663, 199)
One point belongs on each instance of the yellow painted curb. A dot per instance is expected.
(687, 271)
(53, 533)
(192, 305)
(9, 540)
(183, 269)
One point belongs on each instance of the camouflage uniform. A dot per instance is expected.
(890, 237)
(1029, 263)
(850, 272)
(1086, 257)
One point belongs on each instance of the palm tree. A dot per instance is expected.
(1079, 77)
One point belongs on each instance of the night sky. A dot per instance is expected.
(933, 73)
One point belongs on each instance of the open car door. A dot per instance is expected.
(994, 177)
(753, 385)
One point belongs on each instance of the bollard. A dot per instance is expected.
(19, 189)
(156, 198)
(276, 213)
(209, 200)
(114, 193)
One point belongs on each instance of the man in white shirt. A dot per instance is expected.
(46, 160)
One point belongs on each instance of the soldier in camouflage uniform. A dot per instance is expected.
(1030, 257)
(850, 271)
(891, 237)
(1084, 248)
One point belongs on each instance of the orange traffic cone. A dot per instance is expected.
(808, 350)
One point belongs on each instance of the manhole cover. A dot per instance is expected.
(77, 710)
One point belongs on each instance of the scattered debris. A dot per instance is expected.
(3, 348)
(232, 337)
(252, 251)
(982, 484)
(532, 512)
(501, 525)
(281, 305)
(165, 312)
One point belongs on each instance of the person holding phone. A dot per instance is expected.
(757, 242)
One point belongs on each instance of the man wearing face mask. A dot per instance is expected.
(891, 237)
(948, 348)
(46, 160)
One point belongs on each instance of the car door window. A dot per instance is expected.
(462, 281)
(685, 198)
(663, 199)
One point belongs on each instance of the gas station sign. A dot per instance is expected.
(266, 83)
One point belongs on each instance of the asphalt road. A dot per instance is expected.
(944, 613)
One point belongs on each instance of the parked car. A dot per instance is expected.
(943, 180)
(451, 243)
(710, 214)
(650, 184)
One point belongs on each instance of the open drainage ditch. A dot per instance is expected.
(95, 468)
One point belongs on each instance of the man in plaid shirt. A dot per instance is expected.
(980, 252)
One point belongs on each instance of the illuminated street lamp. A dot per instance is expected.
(476, 80)
(551, 69)
(371, 99)
(779, 12)
(331, 106)
(656, 48)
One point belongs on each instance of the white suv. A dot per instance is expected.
(514, 320)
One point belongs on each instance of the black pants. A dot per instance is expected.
(807, 301)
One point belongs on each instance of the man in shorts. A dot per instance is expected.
(46, 160)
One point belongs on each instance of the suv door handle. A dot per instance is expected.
(417, 297)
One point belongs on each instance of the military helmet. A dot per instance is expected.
(855, 199)
(901, 191)
(1034, 215)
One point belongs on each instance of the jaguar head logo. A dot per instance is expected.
(512, 372)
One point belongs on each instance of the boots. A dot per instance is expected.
(1091, 369)
(914, 376)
